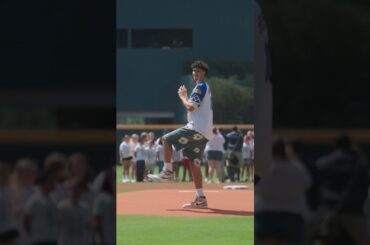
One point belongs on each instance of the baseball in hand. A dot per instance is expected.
(182, 91)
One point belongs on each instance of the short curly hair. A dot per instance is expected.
(200, 64)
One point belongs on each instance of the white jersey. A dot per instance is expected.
(105, 208)
(124, 150)
(160, 152)
(201, 119)
(73, 223)
(151, 154)
(43, 212)
(140, 152)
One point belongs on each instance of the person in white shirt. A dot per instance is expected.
(40, 219)
(160, 154)
(140, 156)
(56, 164)
(22, 185)
(133, 143)
(104, 211)
(280, 215)
(214, 152)
(248, 153)
(125, 158)
(74, 216)
(193, 137)
(151, 157)
(7, 222)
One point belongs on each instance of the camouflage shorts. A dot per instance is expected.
(190, 141)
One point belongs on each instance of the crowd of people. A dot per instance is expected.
(57, 202)
(228, 157)
(320, 201)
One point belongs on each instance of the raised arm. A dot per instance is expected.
(183, 95)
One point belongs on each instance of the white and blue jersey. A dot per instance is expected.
(201, 119)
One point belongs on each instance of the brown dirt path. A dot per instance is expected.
(166, 199)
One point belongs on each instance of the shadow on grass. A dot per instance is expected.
(215, 211)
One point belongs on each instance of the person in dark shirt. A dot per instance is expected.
(344, 189)
(234, 144)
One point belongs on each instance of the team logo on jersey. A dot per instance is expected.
(183, 140)
(197, 162)
(196, 99)
(197, 137)
(197, 91)
(196, 150)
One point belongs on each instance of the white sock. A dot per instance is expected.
(200, 192)
(167, 166)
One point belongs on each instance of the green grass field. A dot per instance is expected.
(126, 190)
(153, 230)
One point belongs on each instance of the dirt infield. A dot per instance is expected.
(167, 200)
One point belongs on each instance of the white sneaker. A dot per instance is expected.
(163, 176)
(198, 202)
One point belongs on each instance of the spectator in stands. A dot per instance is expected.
(214, 152)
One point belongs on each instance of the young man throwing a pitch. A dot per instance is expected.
(193, 137)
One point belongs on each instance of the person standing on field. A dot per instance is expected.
(193, 137)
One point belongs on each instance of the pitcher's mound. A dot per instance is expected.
(170, 202)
